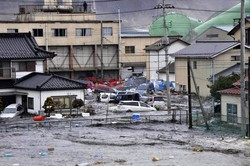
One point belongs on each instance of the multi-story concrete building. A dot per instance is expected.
(134, 57)
(72, 31)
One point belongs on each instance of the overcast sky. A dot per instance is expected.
(140, 19)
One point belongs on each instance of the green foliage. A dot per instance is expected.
(223, 83)
(77, 103)
(49, 105)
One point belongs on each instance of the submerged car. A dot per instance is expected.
(158, 101)
(12, 111)
(146, 88)
(132, 106)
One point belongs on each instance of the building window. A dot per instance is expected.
(59, 32)
(183, 88)
(129, 49)
(30, 103)
(232, 113)
(194, 64)
(83, 32)
(235, 58)
(25, 66)
(248, 36)
(38, 32)
(107, 31)
(246, 84)
(12, 30)
(63, 101)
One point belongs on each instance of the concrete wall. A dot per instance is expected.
(231, 99)
(140, 56)
(74, 52)
(71, 38)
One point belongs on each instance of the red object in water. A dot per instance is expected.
(39, 118)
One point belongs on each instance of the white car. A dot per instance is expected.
(131, 106)
(12, 111)
(106, 97)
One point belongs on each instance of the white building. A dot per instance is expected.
(157, 57)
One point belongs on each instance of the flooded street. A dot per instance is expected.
(122, 144)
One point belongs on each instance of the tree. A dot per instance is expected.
(49, 105)
(77, 103)
(223, 83)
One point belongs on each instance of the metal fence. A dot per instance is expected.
(216, 122)
(223, 124)
(180, 118)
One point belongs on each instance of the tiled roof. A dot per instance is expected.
(231, 91)
(237, 83)
(21, 46)
(8, 83)
(205, 49)
(42, 81)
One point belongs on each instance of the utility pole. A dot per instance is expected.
(189, 96)
(248, 131)
(119, 46)
(101, 51)
(165, 42)
(242, 69)
(199, 99)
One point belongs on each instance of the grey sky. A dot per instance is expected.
(140, 19)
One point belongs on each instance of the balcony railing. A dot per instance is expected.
(7, 73)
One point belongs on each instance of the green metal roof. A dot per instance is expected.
(223, 18)
(177, 25)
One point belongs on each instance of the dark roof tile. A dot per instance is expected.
(42, 81)
(21, 46)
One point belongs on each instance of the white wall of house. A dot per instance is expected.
(231, 99)
(156, 59)
(78, 92)
(39, 66)
(163, 76)
(40, 97)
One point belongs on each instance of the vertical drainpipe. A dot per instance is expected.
(46, 45)
(71, 65)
